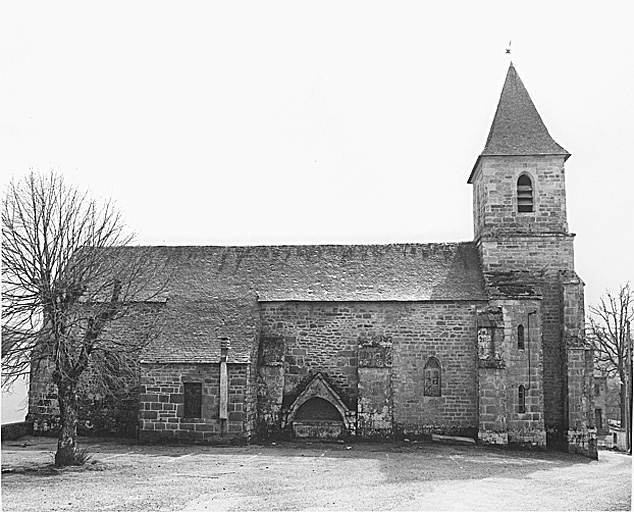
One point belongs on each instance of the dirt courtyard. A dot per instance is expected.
(317, 476)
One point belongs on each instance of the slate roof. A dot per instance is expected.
(192, 329)
(517, 127)
(213, 291)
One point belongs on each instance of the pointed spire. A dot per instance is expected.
(517, 128)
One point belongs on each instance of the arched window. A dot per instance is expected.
(521, 399)
(524, 194)
(520, 337)
(432, 377)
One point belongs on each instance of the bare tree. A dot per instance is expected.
(68, 273)
(609, 326)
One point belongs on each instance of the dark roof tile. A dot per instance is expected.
(517, 127)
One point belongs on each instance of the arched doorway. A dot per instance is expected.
(318, 412)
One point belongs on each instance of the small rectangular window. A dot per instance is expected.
(193, 400)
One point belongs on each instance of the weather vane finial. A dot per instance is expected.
(508, 49)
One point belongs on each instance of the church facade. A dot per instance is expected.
(482, 339)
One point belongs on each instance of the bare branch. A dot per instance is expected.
(608, 330)
(67, 274)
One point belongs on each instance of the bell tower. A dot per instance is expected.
(521, 231)
(519, 184)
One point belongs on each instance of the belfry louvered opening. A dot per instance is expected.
(524, 194)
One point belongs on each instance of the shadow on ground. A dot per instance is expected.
(399, 462)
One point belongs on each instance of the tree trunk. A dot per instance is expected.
(66, 443)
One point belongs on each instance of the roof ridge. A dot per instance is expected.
(291, 246)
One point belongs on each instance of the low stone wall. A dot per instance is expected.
(319, 430)
(13, 431)
(583, 442)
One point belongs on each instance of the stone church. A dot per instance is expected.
(482, 339)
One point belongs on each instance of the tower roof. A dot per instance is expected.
(517, 127)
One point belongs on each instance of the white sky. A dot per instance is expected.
(219, 123)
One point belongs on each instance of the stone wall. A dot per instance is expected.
(581, 430)
(114, 414)
(43, 405)
(107, 389)
(495, 196)
(161, 408)
(492, 405)
(533, 253)
(251, 395)
(326, 337)
(270, 395)
(375, 408)
(504, 366)
(524, 367)
(539, 244)
(580, 435)
(543, 258)
(446, 331)
(492, 381)
(156, 411)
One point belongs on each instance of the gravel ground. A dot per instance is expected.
(317, 476)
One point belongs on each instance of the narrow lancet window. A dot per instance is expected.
(524, 194)
(432, 377)
(520, 337)
(521, 399)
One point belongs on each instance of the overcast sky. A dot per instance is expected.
(219, 123)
